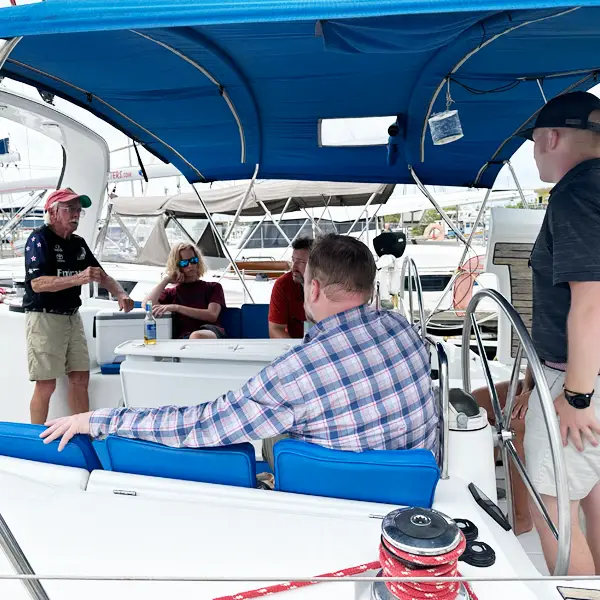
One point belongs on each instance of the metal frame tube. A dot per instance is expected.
(223, 244)
(547, 403)
(365, 209)
(433, 201)
(242, 204)
(444, 405)
(312, 220)
(18, 560)
(413, 272)
(270, 216)
(222, 91)
(287, 203)
(542, 91)
(517, 183)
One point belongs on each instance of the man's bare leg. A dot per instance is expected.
(581, 562)
(591, 509)
(79, 401)
(38, 408)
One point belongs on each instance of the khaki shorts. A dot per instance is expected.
(56, 345)
(583, 468)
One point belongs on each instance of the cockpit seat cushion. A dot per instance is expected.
(231, 321)
(227, 465)
(22, 440)
(255, 321)
(405, 477)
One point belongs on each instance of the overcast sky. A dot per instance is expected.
(40, 155)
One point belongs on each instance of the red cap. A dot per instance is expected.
(65, 195)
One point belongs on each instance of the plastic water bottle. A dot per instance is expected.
(149, 326)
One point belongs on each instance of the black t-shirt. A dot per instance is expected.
(49, 255)
(567, 249)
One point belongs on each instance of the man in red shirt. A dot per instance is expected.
(286, 310)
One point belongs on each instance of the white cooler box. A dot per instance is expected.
(112, 328)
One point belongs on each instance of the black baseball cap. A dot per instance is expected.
(569, 110)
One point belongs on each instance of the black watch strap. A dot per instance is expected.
(578, 400)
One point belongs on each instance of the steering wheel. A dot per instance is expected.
(505, 435)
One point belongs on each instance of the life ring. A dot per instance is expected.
(435, 232)
(462, 291)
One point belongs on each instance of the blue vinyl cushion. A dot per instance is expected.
(231, 321)
(22, 440)
(227, 465)
(110, 368)
(255, 321)
(405, 477)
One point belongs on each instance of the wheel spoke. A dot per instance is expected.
(513, 385)
(508, 482)
(512, 452)
(488, 375)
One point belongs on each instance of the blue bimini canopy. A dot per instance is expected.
(218, 86)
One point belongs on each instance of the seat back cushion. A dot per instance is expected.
(405, 477)
(231, 321)
(255, 321)
(22, 440)
(227, 465)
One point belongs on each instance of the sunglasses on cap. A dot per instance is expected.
(184, 262)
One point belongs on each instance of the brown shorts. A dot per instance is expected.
(56, 345)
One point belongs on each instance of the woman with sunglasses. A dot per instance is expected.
(196, 304)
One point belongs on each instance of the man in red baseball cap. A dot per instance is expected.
(57, 264)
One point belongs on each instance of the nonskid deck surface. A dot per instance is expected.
(180, 529)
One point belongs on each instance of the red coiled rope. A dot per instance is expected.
(444, 565)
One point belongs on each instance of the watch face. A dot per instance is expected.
(578, 401)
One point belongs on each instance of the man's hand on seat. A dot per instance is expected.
(66, 427)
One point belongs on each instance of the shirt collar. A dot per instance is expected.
(341, 318)
(586, 165)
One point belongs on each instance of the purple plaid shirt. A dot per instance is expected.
(360, 381)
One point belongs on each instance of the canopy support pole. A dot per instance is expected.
(8, 47)
(223, 244)
(127, 232)
(365, 209)
(517, 183)
(287, 204)
(440, 210)
(462, 258)
(295, 237)
(366, 227)
(182, 229)
(311, 219)
(241, 205)
(542, 91)
(103, 232)
(272, 218)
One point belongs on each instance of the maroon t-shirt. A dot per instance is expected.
(196, 294)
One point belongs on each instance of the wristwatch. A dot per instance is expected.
(578, 400)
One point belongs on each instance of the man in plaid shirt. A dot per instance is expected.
(360, 380)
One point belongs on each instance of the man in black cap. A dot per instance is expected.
(566, 318)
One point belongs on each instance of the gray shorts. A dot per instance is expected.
(583, 468)
(56, 345)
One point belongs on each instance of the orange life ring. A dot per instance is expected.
(435, 232)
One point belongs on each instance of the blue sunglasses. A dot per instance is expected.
(184, 262)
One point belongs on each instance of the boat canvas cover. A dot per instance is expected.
(218, 86)
(274, 194)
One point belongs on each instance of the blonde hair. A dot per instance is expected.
(175, 256)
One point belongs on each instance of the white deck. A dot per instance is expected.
(209, 530)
